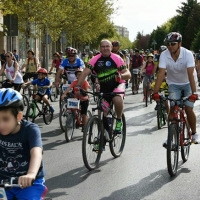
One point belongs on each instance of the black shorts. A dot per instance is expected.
(16, 86)
(84, 107)
(30, 75)
(41, 96)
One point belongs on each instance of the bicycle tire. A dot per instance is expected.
(62, 116)
(26, 104)
(53, 95)
(159, 116)
(60, 100)
(185, 150)
(116, 152)
(146, 95)
(26, 92)
(47, 115)
(30, 113)
(172, 146)
(92, 138)
(69, 126)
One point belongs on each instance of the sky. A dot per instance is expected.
(144, 15)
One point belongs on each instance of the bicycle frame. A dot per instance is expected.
(179, 117)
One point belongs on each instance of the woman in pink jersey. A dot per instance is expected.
(150, 69)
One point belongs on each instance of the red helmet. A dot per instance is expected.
(42, 70)
(71, 51)
(78, 70)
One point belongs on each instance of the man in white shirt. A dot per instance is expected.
(179, 63)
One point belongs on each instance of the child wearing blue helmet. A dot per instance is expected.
(20, 149)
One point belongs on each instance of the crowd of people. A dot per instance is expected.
(113, 68)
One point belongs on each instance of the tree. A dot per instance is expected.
(195, 44)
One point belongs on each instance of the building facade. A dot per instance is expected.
(122, 31)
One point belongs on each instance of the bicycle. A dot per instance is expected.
(12, 182)
(24, 98)
(179, 136)
(94, 140)
(136, 80)
(27, 91)
(148, 91)
(35, 111)
(162, 115)
(72, 114)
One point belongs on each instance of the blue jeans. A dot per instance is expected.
(34, 192)
(175, 92)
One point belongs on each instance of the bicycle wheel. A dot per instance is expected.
(26, 104)
(159, 117)
(92, 143)
(185, 150)
(146, 95)
(31, 113)
(26, 93)
(172, 149)
(54, 95)
(118, 141)
(47, 115)
(63, 115)
(69, 125)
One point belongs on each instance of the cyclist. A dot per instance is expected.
(32, 65)
(20, 149)
(56, 62)
(149, 68)
(12, 72)
(179, 63)
(89, 57)
(112, 73)
(70, 64)
(84, 98)
(44, 85)
(116, 47)
(136, 64)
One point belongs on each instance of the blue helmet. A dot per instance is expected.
(10, 98)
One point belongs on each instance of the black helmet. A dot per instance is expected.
(173, 37)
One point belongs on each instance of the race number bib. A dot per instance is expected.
(42, 90)
(135, 71)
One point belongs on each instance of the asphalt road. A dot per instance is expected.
(140, 172)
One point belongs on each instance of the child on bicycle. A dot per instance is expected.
(43, 85)
(163, 88)
(20, 149)
(84, 100)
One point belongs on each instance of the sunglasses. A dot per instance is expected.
(171, 43)
(71, 55)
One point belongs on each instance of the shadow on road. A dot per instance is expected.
(71, 178)
(146, 186)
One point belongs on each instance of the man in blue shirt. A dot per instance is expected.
(69, 66)
(16, 56)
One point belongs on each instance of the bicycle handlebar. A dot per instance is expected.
(11, 182)
(101, 94)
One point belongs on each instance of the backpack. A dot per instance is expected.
(34, 60)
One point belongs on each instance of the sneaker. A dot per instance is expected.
(96, 147)
(144, 99)
(164, 144)
(173, 147)
(118, 127)
(195, 138)
(156, 108)
(51, 109)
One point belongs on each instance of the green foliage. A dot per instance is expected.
(196, 43)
